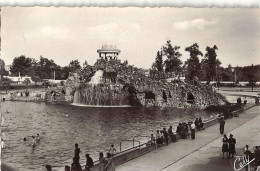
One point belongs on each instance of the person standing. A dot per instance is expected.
(225, 145)
(221, 125)
(232, 146)
(33, 141)
(157, 136)
(201, 124)
(171, 134)
(192, 130)
(89, 163)
(110, 166)
(77, 151)
(152, 139)
(102, 162)
(248, 155)
(197, 123)
(179, 129)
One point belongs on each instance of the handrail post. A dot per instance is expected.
(134, 140)
(120, 145)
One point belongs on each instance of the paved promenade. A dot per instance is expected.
(203, 153)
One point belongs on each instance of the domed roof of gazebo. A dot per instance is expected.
(108, 49)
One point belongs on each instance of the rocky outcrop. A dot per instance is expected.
(122, 84)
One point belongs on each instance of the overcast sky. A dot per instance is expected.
(64, 34)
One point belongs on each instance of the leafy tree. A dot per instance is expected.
(65, 73)
(21, 64)
(193, 63)
(2, 69)
(250, 73)
(45, 68)
(36, 79)
(158, 64)
(210, 63)
(74, 65)
(125, 62)
(172, 63)
(6, 82)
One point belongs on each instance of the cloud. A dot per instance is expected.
(199, 23)
(55, 32)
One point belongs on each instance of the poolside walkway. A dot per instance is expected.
(203, 153)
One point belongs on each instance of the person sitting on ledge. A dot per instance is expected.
(112, 150)
(165, 134)
(75, 166)
(48, 167)
(67, 168)
(180, 131)
(185, 130)
(152, 140)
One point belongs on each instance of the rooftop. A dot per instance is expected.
(108, 49)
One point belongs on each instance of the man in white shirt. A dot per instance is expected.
(192, 130)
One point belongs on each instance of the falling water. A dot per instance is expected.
(97, 78)
(100, 94)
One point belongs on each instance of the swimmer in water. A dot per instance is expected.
(24, 139)
(37, 137)
(34, 142)
(2, 143)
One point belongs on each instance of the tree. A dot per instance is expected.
(250, 73)
(158, 64)
(193, 63)
(125, 62)
(21, 65)
(2, 69)
(45, 68)
(210, 63)
(36, 79)
(74, 65)
(172, 63)
(6, 82)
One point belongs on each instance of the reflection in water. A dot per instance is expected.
(93, 128)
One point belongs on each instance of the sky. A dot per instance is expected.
(64, 34)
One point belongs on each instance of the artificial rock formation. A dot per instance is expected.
(110, 82)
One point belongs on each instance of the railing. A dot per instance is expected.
(139, 136)
(127, 140)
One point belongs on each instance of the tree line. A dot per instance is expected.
(168, 59)
(207, 69)
(42, 69)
